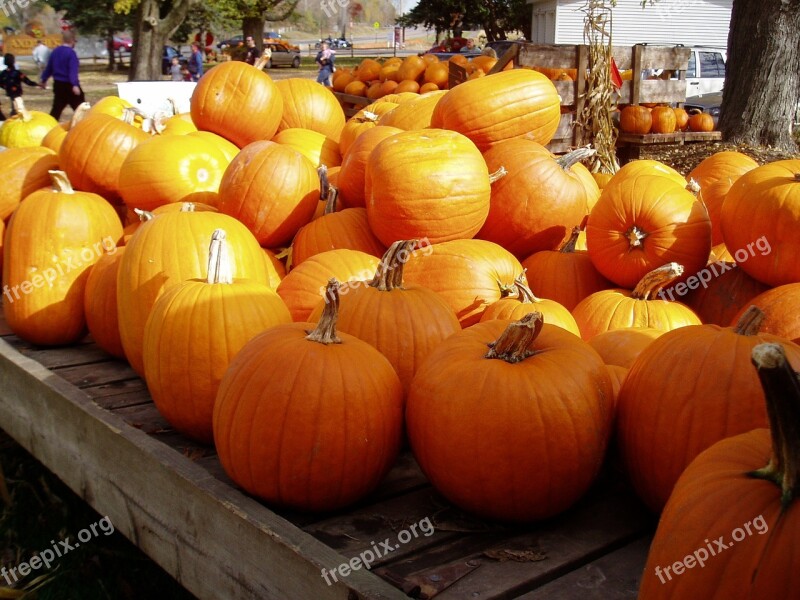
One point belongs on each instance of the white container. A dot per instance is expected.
(154, 96)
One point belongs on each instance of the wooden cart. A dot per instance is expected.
(90, 420)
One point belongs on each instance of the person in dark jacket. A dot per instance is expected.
(252, 54)
(11, 81)
(62, 66)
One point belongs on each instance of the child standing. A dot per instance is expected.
(175, 70)
(11, 81)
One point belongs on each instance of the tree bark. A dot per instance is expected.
(762, 81)
(112, 63)
(151, 34)
(254, 26)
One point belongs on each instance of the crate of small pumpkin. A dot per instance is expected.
(660, 121)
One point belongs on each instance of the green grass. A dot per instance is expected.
(43, 509)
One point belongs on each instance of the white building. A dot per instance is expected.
(667, 22)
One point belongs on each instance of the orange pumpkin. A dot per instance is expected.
(23, 171)
(621, 347)
(359, 123)
(415, 114)
(319, 149)
(308, 105)
(664, 120)
(368, 70)
(701, 122)
(408, 86)
(723, 292)
(353, 173)
(412, 69)
(681, 119)
(779, 306)
(100, 302)
(635, 119)
(438, 74)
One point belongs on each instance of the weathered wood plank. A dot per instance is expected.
(669, 138)
(654, 90)
(615, 576)
(661, 57)
(83, 376)
(568, 90)
(512, 54)
(214, 540)
(563, 56)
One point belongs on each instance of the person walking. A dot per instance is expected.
(41, 53)
(325, 60)
(11, 80)
(62, 66)
(196, 62)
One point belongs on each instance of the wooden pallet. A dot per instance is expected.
(90, 420)
(629, 145)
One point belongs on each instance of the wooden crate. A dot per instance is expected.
(90, 420)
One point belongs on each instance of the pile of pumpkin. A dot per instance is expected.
(641, 119)
(438, 280)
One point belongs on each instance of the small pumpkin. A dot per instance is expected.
(100, 302)
(779, 306)
(27, 128)
(635, 119)
(664, 120)
(701, 122)
(721, 291)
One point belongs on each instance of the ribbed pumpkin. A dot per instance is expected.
(701, 122)
(319, 149)
(415, 114)
(617, 308)
(100, 302)
(760, 217)
(535, 206)
(308, 105)
(520, 301)
(166, 251)
(23, 171)
(229, 149)
(779, 306)
(238, 102)
(55, 137)
(183, 369)
(296, 410)
(664, 120)
(635, 119)
(537, 394)
(27, 128)
(636, 168)
(469, 274)
(404, 322)
(173, 168)
(174, 125)
(729, 292)
(352, 175)
(272, 189)
(501, 106)
(670, 410)
(621, 347)
(53, 239)
(642, 222)
(346, 228)
(113, 106)
(430, 184)
(742, 491)
(437, 73)
(681, 119)
(566, 275)
(93, 152)
(359, 123)
(304, 286)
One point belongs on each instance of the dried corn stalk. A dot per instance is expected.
(594, 121)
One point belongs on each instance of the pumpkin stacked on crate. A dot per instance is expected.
(640, 120)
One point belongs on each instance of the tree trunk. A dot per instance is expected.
(152, 34)
(112, 65)
(762, 81)
(254, 26)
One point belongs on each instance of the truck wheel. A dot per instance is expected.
(296, 62)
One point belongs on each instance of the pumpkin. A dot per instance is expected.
(665, 422)
(759, 218)
(415, 114)
(617, 375)
(636, 168)
(520, 301)
(286, 434)
(308, 105)
(430, 184)
(721, 292)
(341, 79)
(354, 166)
(407, 86)
(566, 276)
(617, 308)
(272, 189)
(94, 150)
(719, 253)
(701, 122)
(173, 125)
(368, 70)
(27, 128)
(389, 87)
(621, 347)
(681, 119)
(779, 306)
(505, 105)
(360, 123)
(356, 88)
(538, 393)
(100, 302)
(404, 322)
(635, 119)
(731, 495)
(182, 369)
(641, 222)
(525, 218)
(304, 286)
(52, 240)
(469, 274)
(229, 149)
(428, 87)
(239, 102)
(320, 150)
(23, 171)
(484, 63)
(151, 265)
(346, 228)
(113, 106)
(664, 120)
(55, 137)
(172, 168)
(602, 179)
(412, 68)
(438, 74)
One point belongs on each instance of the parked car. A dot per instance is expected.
(236, 40)
(283, 56)
(169, 53)
(706, 71)
(123, 44)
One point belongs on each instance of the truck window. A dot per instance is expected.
(711, 65)
(691, 70)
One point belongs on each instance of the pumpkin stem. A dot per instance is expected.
(261, 62)
(782, 391)
(144, 215)
(750, 321)
(797, 176)
(79, 114)
(569, 245)
(368, 117)
(497, 175)
(19, 106)
(322, 173)
(514, 344)
(693, 187)
(330, 203)
(635, 236)
(389, 275)
(567, 161)
(61, 182)
(129, 115)
(187, 207)
(655, 280)
(219, 267)
(325, 331)
(521, 291)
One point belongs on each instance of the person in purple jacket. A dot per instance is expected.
(62, 66)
